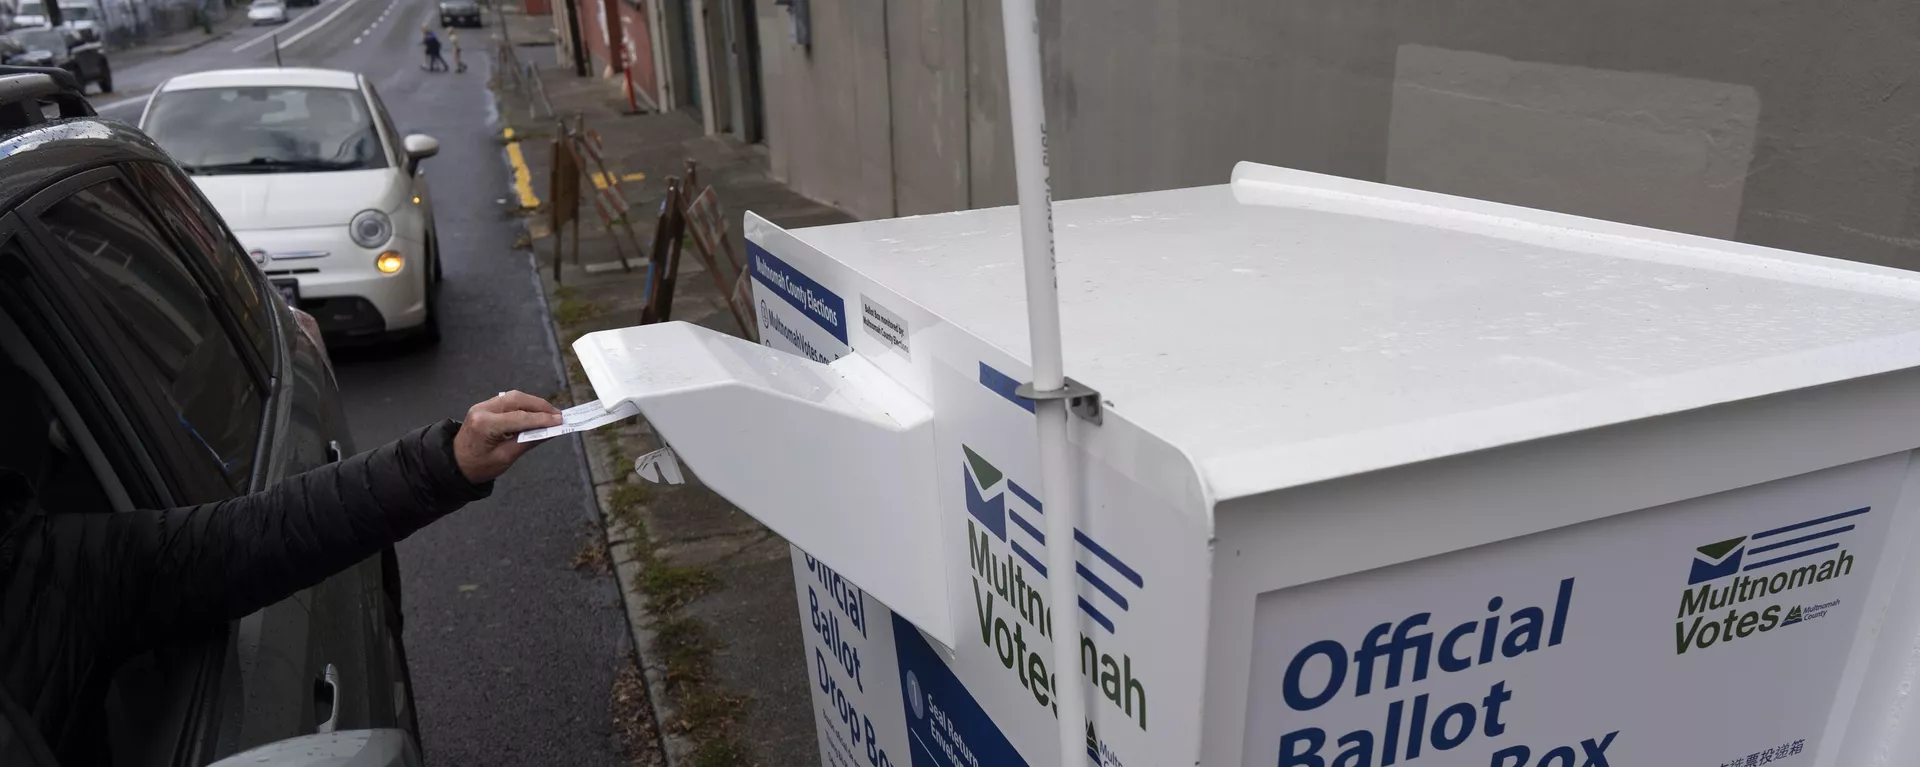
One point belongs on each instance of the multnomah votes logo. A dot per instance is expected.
(987, 491)
(1731, 574)
(1011, 602)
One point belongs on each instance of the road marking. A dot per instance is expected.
(600, 180)
(368, 32)
(345, 4)
(256, 41)
(121, 103)
(522, 177)
(271, 33)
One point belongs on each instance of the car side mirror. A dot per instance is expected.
(359, 748)
(419, 147)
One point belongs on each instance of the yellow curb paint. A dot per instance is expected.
(522, 177)
(600, 180)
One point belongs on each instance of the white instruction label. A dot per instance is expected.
(880, 322)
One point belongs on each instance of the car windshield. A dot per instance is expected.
(32, 9)
(269, 4)
(266, 130)
(76, 13)
(40, 40)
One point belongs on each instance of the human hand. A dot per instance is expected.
(486, 445)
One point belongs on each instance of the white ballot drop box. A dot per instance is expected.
(1375, 477)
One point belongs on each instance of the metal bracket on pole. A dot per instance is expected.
(1081, 399)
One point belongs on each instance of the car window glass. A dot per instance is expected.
(265, 129)
(41, 39)
(178, 348)
(197, 226)
(40, 460)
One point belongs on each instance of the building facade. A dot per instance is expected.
(1786, 124)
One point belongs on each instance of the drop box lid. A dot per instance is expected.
(1291, 327)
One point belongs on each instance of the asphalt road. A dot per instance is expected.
(513, 652)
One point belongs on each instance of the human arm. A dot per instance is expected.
(152, 572)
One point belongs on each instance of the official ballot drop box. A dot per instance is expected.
(1380, 477)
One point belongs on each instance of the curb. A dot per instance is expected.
(674, 747)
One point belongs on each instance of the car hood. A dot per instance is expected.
(296, 200)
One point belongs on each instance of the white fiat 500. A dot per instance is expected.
(308, 171)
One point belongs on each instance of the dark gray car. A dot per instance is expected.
(459, 13)
(49, 47)
(168, 372)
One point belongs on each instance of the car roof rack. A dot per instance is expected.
(26, 92)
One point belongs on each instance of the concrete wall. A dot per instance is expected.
(829, 118)
(1786, 124)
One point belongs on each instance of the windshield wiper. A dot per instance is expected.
(265, 165)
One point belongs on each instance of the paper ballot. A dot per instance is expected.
(592, 415)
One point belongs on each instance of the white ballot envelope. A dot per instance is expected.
(587, 417)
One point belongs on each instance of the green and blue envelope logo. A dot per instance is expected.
(1013, 523)
(1770, 547)
(1717, 560)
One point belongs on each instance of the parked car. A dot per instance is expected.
(30, 14)
(267, 12)
(461, 13)
(152, 365)
(84, 19)
(327, 195)
(49, 47)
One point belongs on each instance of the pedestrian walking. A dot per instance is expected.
(453, 41)
(432, 44)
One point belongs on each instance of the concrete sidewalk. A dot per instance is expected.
(709, 591)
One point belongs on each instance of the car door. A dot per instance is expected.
(306, 427)
(146, 713)
(87, 60)
(208, 402)
(65, 438)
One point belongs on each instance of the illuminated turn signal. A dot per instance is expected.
(389, 262)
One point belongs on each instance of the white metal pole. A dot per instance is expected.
(1021, 25)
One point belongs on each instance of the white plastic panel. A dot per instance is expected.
(836, 458)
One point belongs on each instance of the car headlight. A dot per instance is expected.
(370, 229)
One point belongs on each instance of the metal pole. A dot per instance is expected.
(1021, 25)
(276, 49)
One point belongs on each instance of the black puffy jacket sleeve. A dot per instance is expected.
(79, 591)
(160, 570)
